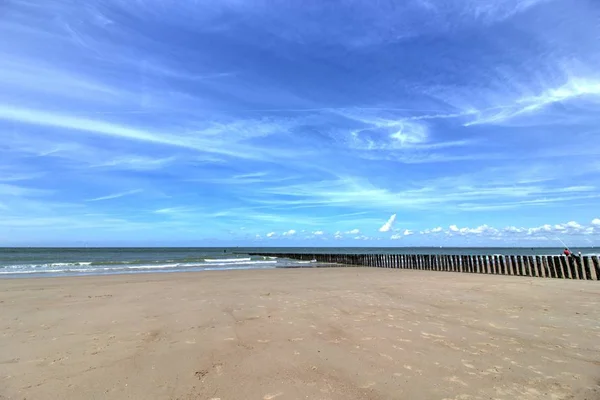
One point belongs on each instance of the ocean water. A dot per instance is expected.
(35, 262)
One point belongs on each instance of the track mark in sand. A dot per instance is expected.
(425, 334)
(272, 396)
(466, 364)
(408, 367)
(386, 356)
(298, 339)
(263, 340)
(368, 385)
(456, 379)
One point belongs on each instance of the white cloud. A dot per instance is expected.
(545, 231)
(389, 224)
(271, 234)
(116, 195)
(291, 232)
(408, 232)
(338, 235)
(353, 232)
(396, 236)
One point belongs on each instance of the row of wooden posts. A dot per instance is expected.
(573, 267)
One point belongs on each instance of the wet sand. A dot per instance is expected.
(335, 333)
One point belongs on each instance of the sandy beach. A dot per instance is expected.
(331, 333)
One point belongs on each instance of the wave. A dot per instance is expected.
(51, 268)
(226, 260)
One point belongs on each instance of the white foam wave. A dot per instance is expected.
(226, 260)
(37, 269)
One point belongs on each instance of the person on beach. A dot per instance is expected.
(567, 252)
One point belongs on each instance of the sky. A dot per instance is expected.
(300, 123)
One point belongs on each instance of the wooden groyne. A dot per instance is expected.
(561, 267)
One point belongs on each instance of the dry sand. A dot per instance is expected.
(339, 333)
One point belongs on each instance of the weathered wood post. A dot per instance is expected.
(518, 264)
(501, 266)
(510, 265)
(533, 267)
(552, 267)
(572, 271)
(525, 263)
(595, 266)
(579, 267)
(546, 266)
(586, 268)
(563, 267)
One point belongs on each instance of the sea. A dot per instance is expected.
(51, 262)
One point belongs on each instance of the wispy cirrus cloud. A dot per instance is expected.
(116, 195)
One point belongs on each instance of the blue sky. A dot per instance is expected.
(354, 123)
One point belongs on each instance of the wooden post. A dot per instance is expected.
(510, 265)
(527, 266)
(579, 267)
(586, 268)
(546, 266)
(539, 264)
(519, 262)
(551, 262)
(595, 266)
(558, 267)
(563, 268)
(486, 264)
(535, 271)
(572, 268)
